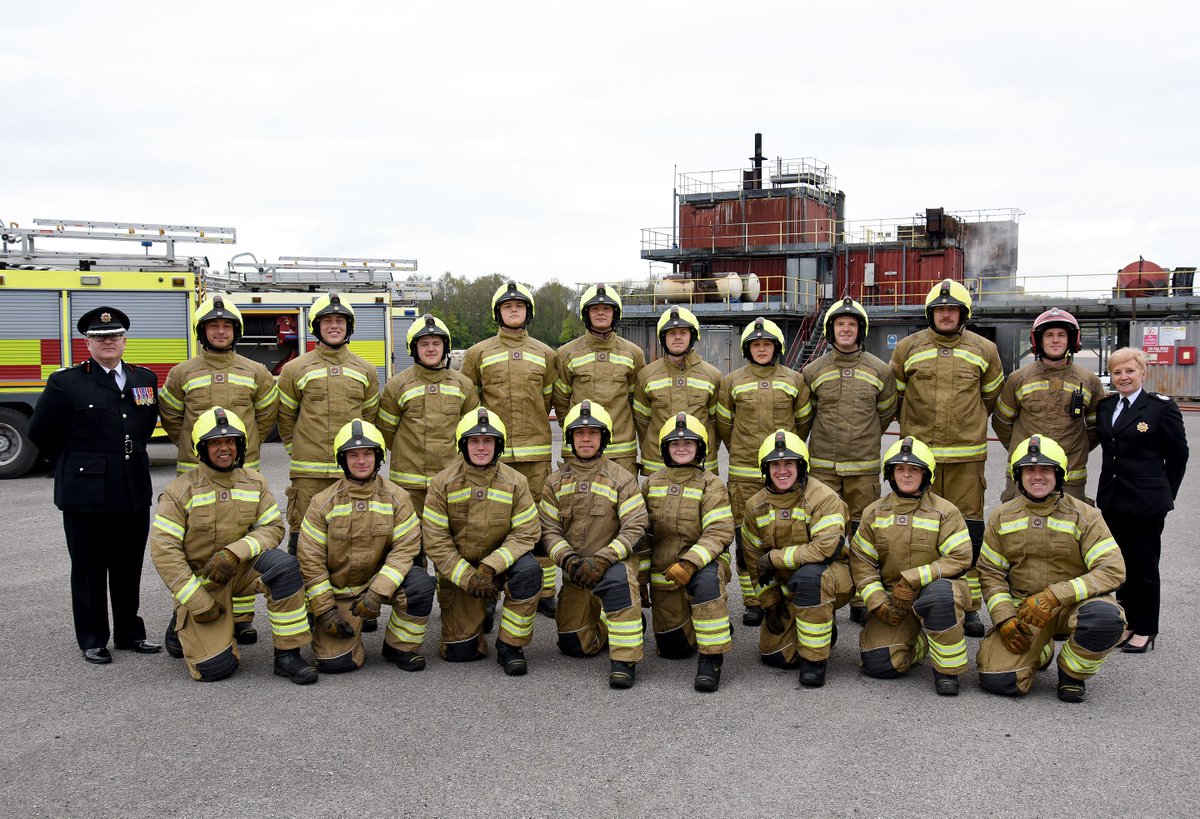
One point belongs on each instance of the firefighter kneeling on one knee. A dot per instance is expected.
(1048, 567)
(213, 540)
(480, 526)
(358, 542)
(907, 559)
(794, 534)
(593, 518)
(691, 527)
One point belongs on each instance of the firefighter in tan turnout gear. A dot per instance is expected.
(948, 379)
(593, 518)
(794, 532)
(752, 402)
(358, 542)
(906, 559)
(854, 400)
(421, 406)
(514, 373)
(214, 538)
(480, 525)
(602, 367)
(219, 377)
(1049, 566)
(1053, 396)
(691, 527)
(680, 381)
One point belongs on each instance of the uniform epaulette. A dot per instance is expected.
(1160, 396)
(138, 367)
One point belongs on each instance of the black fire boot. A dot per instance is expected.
(245, 633)
(547, 607)
(370, 625)
(404, 660)
(812, 673)
(708, 672)
(946, 685)
(512, 658)
(1069, 688)
(972, 625)
(621, 675)
(752, 616)
(289, 663)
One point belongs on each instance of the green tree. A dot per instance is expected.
(556, 319)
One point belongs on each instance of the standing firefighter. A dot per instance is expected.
(753, 401)
(691, 527)
(218, 376)
(593, 518)
(948, 379)
(602, 367)
(1053, 396)
(854, 399)
(480, 525)
(1049, 566)
(906, 558)
(514, 373)
(214, 540)
(794, 533)
(420, 408)
(320, 392)
(680, 381)
(358, 542)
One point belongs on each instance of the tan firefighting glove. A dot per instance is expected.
(221, 567)
(890, 614)
(1038, 608)
(903, 595)
(680, 573)
(483, 582)
(367, 605)
(776, 616)
(766, 569)
(591, 571)
(210, 614)
(334, 624)
(1015, 634)
(571, 565)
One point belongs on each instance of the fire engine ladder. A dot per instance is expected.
(809, 340)
(311, 273)
(19, 247)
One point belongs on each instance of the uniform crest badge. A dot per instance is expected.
(516, 354)
(848, 373)
(901, 520)
(674, 490)
(218, 378)
(584, 486)
(680, 381)
(480, 493)
(785, 514)
(106, 317)
(602, 356)
(764, 385)
(1038, 523)
(945, 353)
(223, 496)
(360, 506)
(1143, 426)
(335, 371)
(433, 388)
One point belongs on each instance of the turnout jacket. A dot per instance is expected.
(690, 518)
(854, 399)
(418, 412)
(592, 507)
(917, 540)
(947, 387)
(1036, 399)
(754, 401)
(1060, 543)
(202, 512)
(514, 374)
(663, 389)
(319, 393)
(356, 536)
(603, 370)
(478, 516)
(218, 379)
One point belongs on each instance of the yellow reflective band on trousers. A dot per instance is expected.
(515, 624)
(406, 631)
(287, 623)
(713, 633)
(814, 635)
(549, 577)
(952, 656)
(1077, 664)
(623, 633)
(973, 583)
(243, 605)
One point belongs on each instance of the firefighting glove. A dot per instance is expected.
(890, 614)
(367, 605)
(1038, 608)
(903, 595)
(1015, 634)
(334, 624)
(210, 614)
(680, 573)
(570, 566)
(592, 570)
(766, 569)
(483, 582)
(221, 567)
(775, 617)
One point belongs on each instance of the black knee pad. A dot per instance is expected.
(1098, 626)
(218, 667)
(419, 588)
(805, 584)
(776, 660)
(569, 644)
(705, 584)
(613, 589)
(1004, 682)
(337, 665)
(673, 644)
(935, 605)
(463, 652)
(280, 573)
(525, 578)
(877, 663)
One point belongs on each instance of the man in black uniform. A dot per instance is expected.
(93, 421)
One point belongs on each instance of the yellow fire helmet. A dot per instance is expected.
(678, 317)
(429, 325)
(1038, 450)
(218, 422)
(358, 434)
(948, 293)
(480, 421)
(847, 307)
(330, 304)
(909, 450)
(599, 294)
(216, 307)
(762, 328)
(512, 291)
(782, 445)
(588, 414)
(683, 427)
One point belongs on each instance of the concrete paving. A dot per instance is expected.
(139, 738)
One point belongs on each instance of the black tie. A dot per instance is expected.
(1124, 408)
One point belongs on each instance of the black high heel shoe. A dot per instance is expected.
(1124, 641)
(1142, 649)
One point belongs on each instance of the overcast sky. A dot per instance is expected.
(537, 140)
